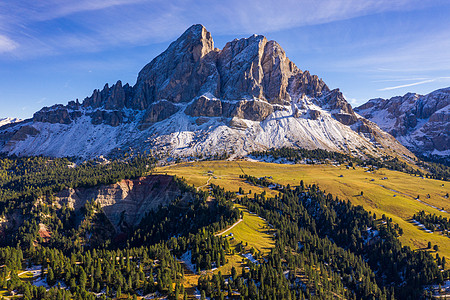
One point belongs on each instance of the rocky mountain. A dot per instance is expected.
(421, 123)
(195, 99)
(6, 121)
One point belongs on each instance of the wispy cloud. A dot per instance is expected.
(58, 26)
(401, 79)
(6, 44)
(438, 79)
(405, 85)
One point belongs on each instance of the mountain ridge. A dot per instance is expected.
(419, 122)
(6, 121)
(194, 99)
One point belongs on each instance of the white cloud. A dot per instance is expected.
(6, 44)
(352, 101)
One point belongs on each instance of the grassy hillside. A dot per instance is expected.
(395, 196)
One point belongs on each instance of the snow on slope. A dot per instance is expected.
(5, 121)
(180, 135)
(78, 139)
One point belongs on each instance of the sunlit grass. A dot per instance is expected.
(378, 196)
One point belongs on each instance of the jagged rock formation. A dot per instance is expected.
(196, 99)
(421, 123)
(126, 202)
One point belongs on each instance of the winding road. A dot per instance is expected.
(237, 222)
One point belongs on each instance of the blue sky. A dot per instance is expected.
(54, 51)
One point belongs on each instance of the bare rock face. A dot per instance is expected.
(201, 120)
(54, 114)
(314, 114)
(238, 124)
(341, 110)
(245, 69)
(255, 68)
(205, 107)
(111, 118)
(126, 202)
(253, 110)
(346, 119)
(336, 101)
(420, 122)
(306, 84)
(180, 73)
(158, 111)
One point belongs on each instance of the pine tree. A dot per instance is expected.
(50, 277)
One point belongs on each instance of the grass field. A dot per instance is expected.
(253, 230)
(378, 194)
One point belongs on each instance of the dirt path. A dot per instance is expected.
(240, 167)
(206, 184)
(220, 233)
(34, 272)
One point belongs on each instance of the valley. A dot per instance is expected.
(185, 229)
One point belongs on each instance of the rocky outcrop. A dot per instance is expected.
(305, 84)
(111, 98)
(111, 118)
(346, 119)
(313, 114)
(126, 202)
(340, 109)
(23, 133)
(255, 68)
(238, 124)
(245, 69)
(56, 114)
(252, 110)
(157, 112)
(205, 107)
(420, 122)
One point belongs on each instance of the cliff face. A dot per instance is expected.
(421, 123)
(126, 202)
(194, 98)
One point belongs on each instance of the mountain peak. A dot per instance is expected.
(198, 37)
(196, 30)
